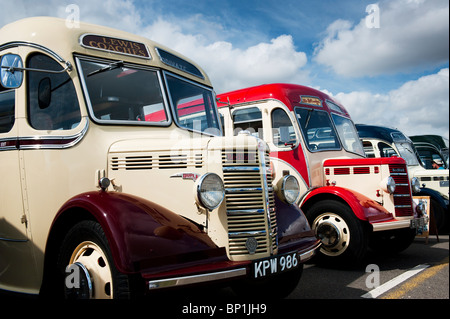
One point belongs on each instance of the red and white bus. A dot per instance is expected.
(352, 202)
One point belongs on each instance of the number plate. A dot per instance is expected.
(275, 265)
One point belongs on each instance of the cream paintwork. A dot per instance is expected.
(49, 177)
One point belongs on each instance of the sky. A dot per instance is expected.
(387, 62)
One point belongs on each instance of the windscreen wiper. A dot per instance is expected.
(109, 67)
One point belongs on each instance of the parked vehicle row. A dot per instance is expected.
(123, 177)
(381, 141)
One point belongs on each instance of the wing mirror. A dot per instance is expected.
(11, 67)
(11, 70)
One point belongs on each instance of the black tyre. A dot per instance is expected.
(392, 241)
(438, 218)
(86, 262)
(344, 237)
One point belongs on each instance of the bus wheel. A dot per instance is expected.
(86, 261)
(344, 238)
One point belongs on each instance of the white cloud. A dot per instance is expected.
(413, 35)
(194, 36)
(232, 68)
(417, 107)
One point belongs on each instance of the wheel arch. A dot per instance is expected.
(132, 226)
(363, 207)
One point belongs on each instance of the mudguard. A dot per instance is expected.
(364, 208)
(292, 224)
(139, 231)
(438, 197)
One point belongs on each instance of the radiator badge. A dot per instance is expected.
(191, 176)
(251, 244)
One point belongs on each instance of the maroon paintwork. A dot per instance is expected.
(149, 239)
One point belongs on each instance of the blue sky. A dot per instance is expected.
(395, 75)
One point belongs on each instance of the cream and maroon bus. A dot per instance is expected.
(117, 181)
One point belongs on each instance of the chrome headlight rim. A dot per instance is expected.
(415, 185)
(210, 202)
(390, 185)
(289, 194)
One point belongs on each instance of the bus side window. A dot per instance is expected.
(248, 119)
(386, 150)
(368, 149)
(7, 107)
(52, 100)
(283, 132)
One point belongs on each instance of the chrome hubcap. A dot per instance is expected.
(95, 274)
(334, 233)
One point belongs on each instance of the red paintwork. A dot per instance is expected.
(364, 161)
(289, 94)
(364, 208)
(296, 158)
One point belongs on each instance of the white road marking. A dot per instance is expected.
(394, 282)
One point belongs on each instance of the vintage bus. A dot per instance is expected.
(115, 185)
(352, 202)
(381, 141)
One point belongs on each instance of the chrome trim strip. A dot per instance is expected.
(262, 159)
(32, 45)
(14, 240)
(44, 141)
(247, 233)
(391, 225)
(232, 212)
(308, 255)
(186, 280)
(241, 168)
(243, 189)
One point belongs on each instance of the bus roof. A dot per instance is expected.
(53, 35)
(290, 94)
(384, 133)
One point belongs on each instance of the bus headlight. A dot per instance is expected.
(288, 189)
(415, 185)
(210, 191)
(388, 185)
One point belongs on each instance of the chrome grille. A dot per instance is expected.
(402, 194)
(250, 214)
